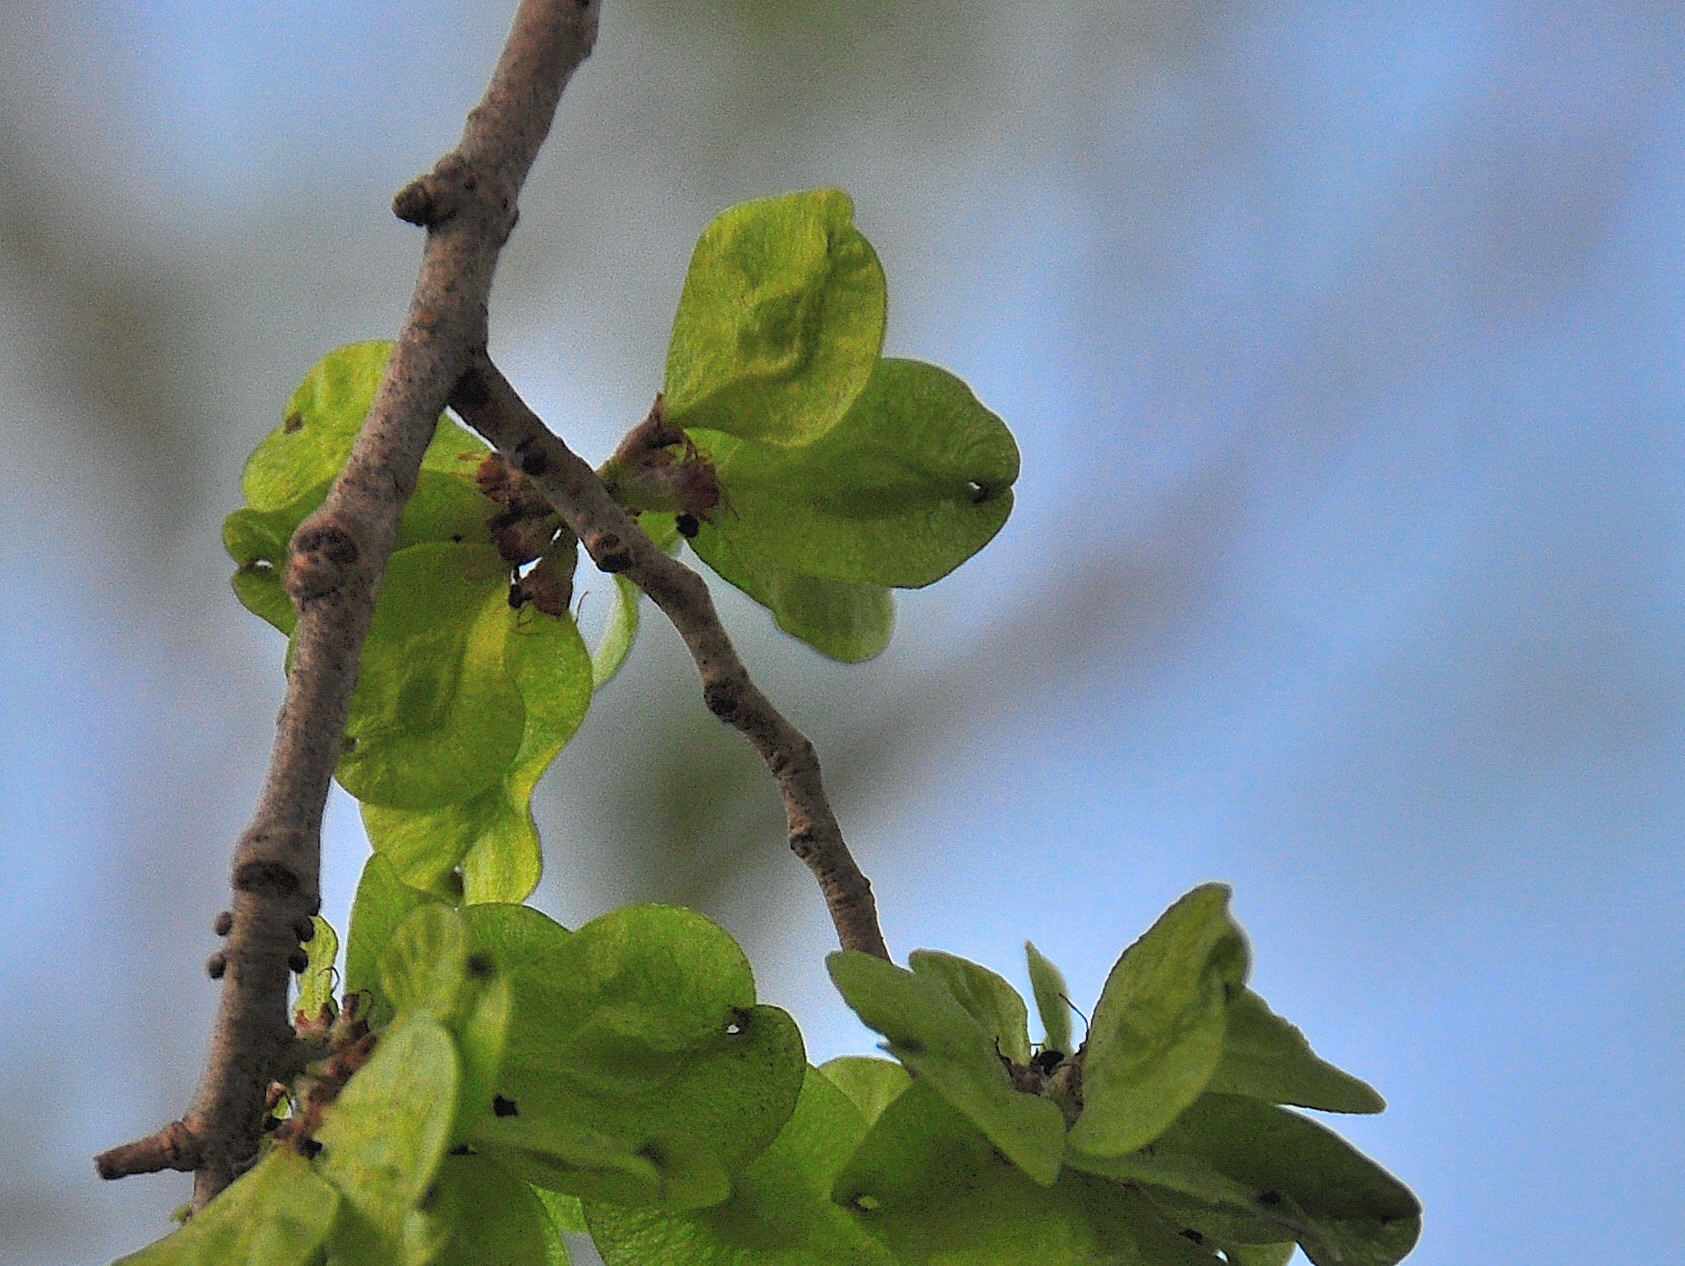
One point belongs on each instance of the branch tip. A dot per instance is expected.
(173, 1147)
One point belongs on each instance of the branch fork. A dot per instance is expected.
(487, 402)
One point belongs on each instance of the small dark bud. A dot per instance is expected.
(215, 965)
(298, 961)
(424, 202)
(271, 1123)
(305, 930)
(310, 1149)
(532, 462)
(502, 1107)
(1046, 1061)
(688, 526)
(224, 923)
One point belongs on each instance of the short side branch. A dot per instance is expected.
(337, 557)
(172, 1147)
(616, 543)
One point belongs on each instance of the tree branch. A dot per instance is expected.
(616, 543)
(468, 206)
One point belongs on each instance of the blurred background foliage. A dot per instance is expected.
(1343, 343)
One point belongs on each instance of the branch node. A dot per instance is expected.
(608, 551)
(321, 556)
(434, 199)
(413, 204)
(266, 878)
(532, 461)
(724, 700)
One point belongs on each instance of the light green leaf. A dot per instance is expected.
(492, 837)
(425, 964)
(257, 542)
(1259, 1254)
(930, 1032)
(386, 1134)
(1052, 1001)
(936, 1191)
(319, 427)
(662, 530)
(1158, 1028)
(278, 1214)
(356, 1241)
(482, 1037)
(846, 620)
(558, 1152)
(618, 635)
(478, 1214)
(1189, 1183)
(912, 482)
(780, 322)
(436, 718)
(986, 997)
(871, 1084)
(1267, 1058)
(779, 1213)
(430, 966)
(382, 902)
(1247, 1172)
(316, 981)
(639, 1066)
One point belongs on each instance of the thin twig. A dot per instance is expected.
(616, 543)
(467, 204)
